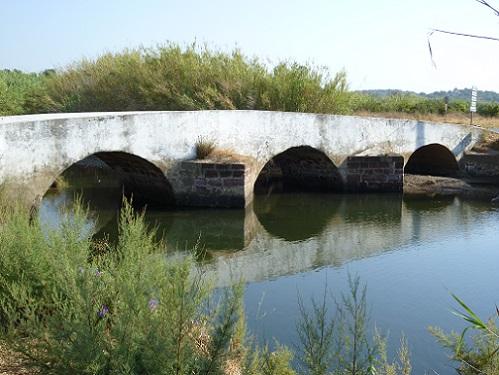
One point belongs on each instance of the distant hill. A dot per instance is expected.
(456, 94)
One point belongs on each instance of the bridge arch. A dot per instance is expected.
(433, 159)
(298, 169)
(137, 178)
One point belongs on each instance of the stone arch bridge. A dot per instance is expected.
(154, 153)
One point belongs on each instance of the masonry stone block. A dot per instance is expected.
(374, 174)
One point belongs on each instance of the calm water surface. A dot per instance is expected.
(411, 254)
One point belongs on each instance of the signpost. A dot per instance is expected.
(473, 103)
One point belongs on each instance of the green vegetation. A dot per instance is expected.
(15, 86)
(453, 95)
(480, 356)
(193, 78)
(415, 104)
(69, 305)
(342, 344)
(404, 104)
(72, 305)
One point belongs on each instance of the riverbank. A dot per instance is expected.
(434, 186)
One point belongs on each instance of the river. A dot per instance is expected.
(411, 254)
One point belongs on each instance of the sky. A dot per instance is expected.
(381, 44)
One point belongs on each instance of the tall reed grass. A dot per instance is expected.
(172, 77)
(15, 86)
(190, 78)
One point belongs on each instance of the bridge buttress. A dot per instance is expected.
(373, 173)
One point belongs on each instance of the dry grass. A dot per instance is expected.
(12, 364)
(204, 148)
(451, 118)
(489, 142)
(207, 149)
(226, 155)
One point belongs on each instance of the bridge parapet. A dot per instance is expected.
(35, 149)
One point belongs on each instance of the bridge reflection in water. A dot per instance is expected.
(410, 252)
(282, 234)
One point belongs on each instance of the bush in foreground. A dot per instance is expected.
(480, 355)
(125, 310)
(72, 305)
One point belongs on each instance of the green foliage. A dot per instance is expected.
(415, 104)
(127, 310)
(191, 78)
(316, 336)
(488, 109)
(341, 344)
(14, 87)
(176, 78)
(480, 356)
(266, 362)
(398, 103)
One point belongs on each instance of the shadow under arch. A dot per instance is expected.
(106, 173)
(434, 160)
(296, 217)
(299, 169)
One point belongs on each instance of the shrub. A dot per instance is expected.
(339, 342)
(191, 78)
(15, 86)
(127, 310)
(481, 355)
(488, 109)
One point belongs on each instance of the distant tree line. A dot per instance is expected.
(455, 94)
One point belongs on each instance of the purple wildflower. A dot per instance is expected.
(103, 311)
(153, 304)
(98, 273)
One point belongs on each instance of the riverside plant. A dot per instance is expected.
(177, 78)
(339, 342)
(126, 308)
(172, 77)
(69, 304)
(129, 310)
(480, 355)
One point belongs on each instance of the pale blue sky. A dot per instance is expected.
(381, 44)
